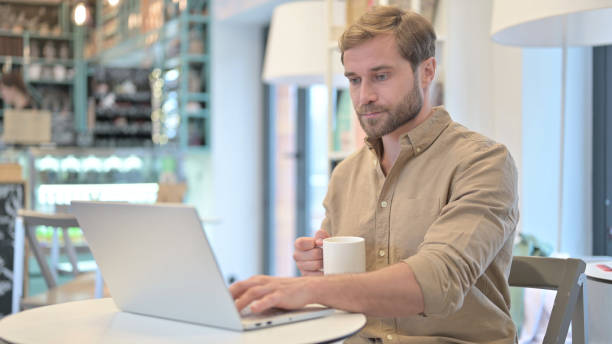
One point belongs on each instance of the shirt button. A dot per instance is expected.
(375, 162)
(389, 337)
(383, 204)
(418, 150)
(381, 253)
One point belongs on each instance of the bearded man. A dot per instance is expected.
(436, 203)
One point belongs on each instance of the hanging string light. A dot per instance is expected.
(80, 14)
(158, 133)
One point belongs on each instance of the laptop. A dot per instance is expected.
(157, 261)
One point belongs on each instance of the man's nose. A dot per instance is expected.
(367, 94)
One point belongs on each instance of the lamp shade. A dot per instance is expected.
(297, 47)
(539, 23)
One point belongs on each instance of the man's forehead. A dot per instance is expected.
(375, 53)
(383, 39)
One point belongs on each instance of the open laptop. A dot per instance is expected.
(156, 261)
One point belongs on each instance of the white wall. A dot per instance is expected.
(541, 132)
(246, 11)
(237, 53)
(483, 80)
(513, 96)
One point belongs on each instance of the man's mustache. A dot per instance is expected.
(367, 109)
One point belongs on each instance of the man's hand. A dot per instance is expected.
(308, 254)
(389, 292)
(265, 292)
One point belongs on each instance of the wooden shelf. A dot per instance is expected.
(189, 59)
(50, 82)
(35, 35)
(201, 19)
(19, 60)
(33, 2)
(197, 97)
(203, 113)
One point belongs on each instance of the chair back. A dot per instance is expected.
(31, 219)
(566, 276)
(82, 287)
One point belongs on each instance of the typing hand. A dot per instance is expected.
(308, 254)
(260, 293)
(246, 311)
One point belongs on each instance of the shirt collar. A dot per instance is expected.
(421, 137)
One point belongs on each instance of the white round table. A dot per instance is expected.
(599, 301)
(100, 321)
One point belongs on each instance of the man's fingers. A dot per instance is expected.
(312, 273)
(319, 236)
(313, 254)
(304, 243)
(253, 294)
(267, 302)
(307, 243)
(310, 265)
(238, 288)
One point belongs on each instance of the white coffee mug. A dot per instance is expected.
(343, 254)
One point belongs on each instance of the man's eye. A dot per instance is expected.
(354, 81)
(381, 77)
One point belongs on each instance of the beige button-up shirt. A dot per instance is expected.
(449, 208)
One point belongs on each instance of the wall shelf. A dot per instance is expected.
(49, 33)
(35, 35)
(197, 97)
(177, 61)
(19, 60)
(198, 114)
(50, 82)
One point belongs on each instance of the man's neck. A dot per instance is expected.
(391, 141)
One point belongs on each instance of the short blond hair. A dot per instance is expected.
(415, 36)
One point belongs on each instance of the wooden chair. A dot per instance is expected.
(567, 277)
(83, 286)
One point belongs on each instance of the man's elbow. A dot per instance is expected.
(442, 292)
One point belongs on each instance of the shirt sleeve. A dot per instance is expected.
(480, 216)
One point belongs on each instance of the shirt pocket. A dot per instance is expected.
(410, 219)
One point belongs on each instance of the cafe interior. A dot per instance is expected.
(240, 109)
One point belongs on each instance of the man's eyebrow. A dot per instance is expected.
(374, 69)
(379, 68)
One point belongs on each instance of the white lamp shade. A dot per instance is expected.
(297, 47)
(539, 23)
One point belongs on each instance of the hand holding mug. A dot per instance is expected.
(308, 254)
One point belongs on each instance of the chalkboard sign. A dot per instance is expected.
(12, 198)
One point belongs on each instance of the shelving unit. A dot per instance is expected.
(186, 73)
(121, 108)
(38, 39)
(336, 151)
(170, 38)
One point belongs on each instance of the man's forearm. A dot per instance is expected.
(389, 292)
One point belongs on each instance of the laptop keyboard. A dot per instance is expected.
(246, 313)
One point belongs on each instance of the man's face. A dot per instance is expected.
(386, 93)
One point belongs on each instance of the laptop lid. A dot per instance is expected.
(156, 261)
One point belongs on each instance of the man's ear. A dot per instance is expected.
(427, 72)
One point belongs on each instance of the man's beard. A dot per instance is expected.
(391, 119)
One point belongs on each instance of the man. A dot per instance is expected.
(435, 202)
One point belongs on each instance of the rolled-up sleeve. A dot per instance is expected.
(477, 220)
